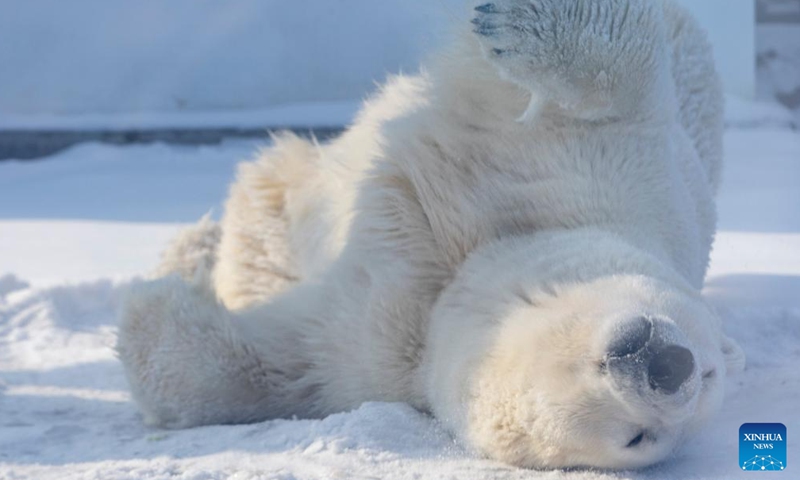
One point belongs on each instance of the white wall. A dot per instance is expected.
(110, 56)
(107, 56)
(731, 27)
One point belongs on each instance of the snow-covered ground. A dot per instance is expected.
(77, 228)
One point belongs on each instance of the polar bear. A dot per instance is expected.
(514, 241)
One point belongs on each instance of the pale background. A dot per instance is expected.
(121, 56)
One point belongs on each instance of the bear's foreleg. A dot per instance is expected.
(590, 59)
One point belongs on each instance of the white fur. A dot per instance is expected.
(470, 246)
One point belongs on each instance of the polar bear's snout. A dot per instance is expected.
(631, 338)
(612, 373)
(649, 356)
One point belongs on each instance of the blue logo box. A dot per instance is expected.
(762, 447)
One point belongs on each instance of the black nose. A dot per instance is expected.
(633, 336)
(669, 368)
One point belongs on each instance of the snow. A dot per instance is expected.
(136, 183)
(77, 229)
(740, 113)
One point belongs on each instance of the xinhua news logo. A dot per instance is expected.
(762, 447)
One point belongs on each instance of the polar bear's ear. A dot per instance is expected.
(734, 355)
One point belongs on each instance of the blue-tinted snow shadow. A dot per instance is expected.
(136, 183)
(753, 291)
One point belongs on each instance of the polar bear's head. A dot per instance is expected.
(609, 372)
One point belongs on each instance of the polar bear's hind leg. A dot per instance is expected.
(189, 361)
(185, 364)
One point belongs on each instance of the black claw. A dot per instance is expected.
(487, 8)
(485, 31)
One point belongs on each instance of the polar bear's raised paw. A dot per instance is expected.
(508, 27)
(589, 57)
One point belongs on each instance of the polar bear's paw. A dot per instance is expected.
(509, 27)
(185, 363)
(582, 55)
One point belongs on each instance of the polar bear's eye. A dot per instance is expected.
(636, 440)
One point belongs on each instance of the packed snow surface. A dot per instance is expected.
(77, 229)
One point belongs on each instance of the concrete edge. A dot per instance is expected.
(34, 144)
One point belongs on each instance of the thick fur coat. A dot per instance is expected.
(514, 240)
